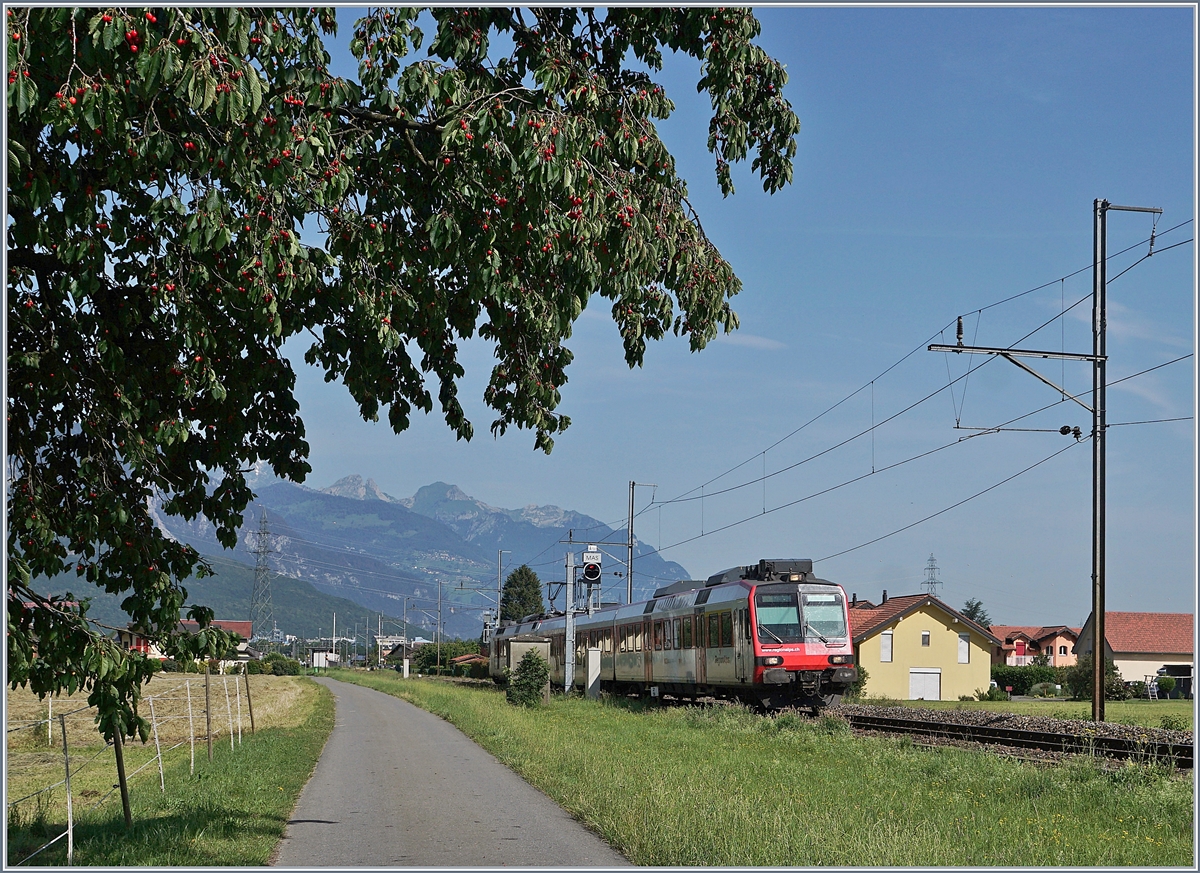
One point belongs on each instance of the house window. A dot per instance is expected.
(964, 648)
(1062, 650)
(925, 639)
(885, 646)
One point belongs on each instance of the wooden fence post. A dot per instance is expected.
(120, 755)
(237, 691)
(208, 710)
(228, 711)
(187, 684)
(62, 724)
(162, 784)
(249, 702)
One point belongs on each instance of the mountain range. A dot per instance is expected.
(399, 555)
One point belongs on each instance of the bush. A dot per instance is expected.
(281, 666)
(1079, 680)
(1166, 684)
(991, 694)
(1022, 678)
(1176, 723)
(1136, 689)
(1044, 689)
(169, 666)
(855, 691)
(528, 683)
(255, 668)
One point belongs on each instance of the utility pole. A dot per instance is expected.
(1099, 360)
(439, 627)
(569, 654)
(499, 582)
(333, 639)
(629, 563)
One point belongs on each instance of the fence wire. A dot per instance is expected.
(194, 709)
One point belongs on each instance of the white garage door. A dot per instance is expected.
(924, 684)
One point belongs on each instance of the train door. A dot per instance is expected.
(648, 650)
(700, 639)
(740, 638)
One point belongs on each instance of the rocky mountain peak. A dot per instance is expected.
(356, 489)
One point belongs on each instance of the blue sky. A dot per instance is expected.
(947, 159)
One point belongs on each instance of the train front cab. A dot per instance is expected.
(803, 654)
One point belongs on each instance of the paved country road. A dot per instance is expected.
(397, 786)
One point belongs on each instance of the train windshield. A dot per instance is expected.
(797, 616)
(824, 615)
(778, 617)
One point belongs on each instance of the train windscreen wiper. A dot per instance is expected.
(809, 630)
(763, 627)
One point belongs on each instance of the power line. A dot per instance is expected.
(925, 343)
(952, 506)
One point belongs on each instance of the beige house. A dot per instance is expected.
(915, 647)
(1139, 643)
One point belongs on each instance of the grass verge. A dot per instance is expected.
(231, 812)
(705, 786)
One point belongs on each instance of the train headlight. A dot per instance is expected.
(841, 659)
(771, 661)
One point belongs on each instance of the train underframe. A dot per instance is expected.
(809, 689)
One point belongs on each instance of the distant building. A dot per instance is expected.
(1140, 643)
(1022, 644)
(915, 647)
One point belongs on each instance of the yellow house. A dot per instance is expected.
(916, 647)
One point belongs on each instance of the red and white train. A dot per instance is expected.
(772, 635)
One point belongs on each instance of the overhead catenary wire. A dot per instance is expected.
(923, 345)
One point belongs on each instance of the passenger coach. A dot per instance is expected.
(772, 635)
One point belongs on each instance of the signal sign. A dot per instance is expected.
(591, 566)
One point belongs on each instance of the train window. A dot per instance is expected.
(726, 629)
(677, 643)
(637, 637)
(686, 629)
(778, 617)
(667, 642)
(824, 614)
(658, 635)
(714, 634)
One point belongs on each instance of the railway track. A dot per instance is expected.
(1141, 749)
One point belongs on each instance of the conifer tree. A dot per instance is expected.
(522, 595)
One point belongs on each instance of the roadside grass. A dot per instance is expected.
(230, 812)
(1174, 714)
(722, 786)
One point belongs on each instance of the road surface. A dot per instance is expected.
(397, 786)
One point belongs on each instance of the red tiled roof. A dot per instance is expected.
(471, 658)
(244, 629)
(1008, 632)
(865, 619)
(1148, 631)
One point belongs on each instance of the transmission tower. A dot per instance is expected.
(262, 616)
(931, 575)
